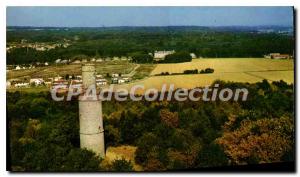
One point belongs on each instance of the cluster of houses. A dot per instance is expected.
(64, 83)
(97, 60)
(37, 46)
(278, 56)
(23, 67)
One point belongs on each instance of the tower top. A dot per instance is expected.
(88, 67)
(88, 75)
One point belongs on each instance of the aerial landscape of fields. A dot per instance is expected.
(76, 135)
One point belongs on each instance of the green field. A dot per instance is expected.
(110, 67)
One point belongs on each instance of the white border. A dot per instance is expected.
(5, 3)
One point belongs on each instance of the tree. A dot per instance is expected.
(177, 57)
(169, 118)
(141, 58)
(261, 141)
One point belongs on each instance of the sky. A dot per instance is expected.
(148, 16)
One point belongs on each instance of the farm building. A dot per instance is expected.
(277, 56)
(160, 55)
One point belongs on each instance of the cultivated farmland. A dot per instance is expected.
(249, 70)
(227, 65)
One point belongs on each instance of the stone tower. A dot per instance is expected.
(90, 115)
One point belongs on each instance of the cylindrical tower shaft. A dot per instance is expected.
(90, 116)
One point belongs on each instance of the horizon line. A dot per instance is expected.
(150, 26)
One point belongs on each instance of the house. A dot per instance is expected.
(17, 68)
(193, 55)
(79, 77)
(160, 55)
(121, 81)
(57, 61)
(64, 61)
(22, 85)
(116, 59)
(76, 62)
(115, 75)
(101, 82)
(277, 56)
(115, 80)
(123, 58)
(8, 84)
(36, 81)
(99, 76)
(57, 78)
(126, 79)
(99, 60)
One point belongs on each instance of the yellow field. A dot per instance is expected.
(222, 65)
(249, 70)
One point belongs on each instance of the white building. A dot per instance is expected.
(99, 60)
(17, 68)
(36, 81)
(115, 75)
(57, 78)
(121, 81)
(64, 61)
(76, 62)
(57, 61)
(193, 55)
(8, 84)
(162, 54)
(99, 76)
(22, 85)
(101, 82)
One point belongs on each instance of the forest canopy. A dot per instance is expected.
(109, 42)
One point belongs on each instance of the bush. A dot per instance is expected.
(207, 70)
(195, 71)
(122, 165)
